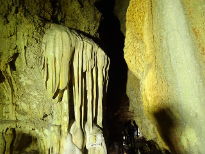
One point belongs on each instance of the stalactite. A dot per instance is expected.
(83, 101)
(64, 49)
(94, 91)
(89, 86)
(100, 58)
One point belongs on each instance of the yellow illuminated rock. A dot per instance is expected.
(164, 50)
(36, 110)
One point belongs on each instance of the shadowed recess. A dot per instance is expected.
(113, 39)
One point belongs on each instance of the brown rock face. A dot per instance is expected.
(164, 50)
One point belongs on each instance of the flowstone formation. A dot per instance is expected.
(70, 118)
(75, 72)
(27, 114)
(164, 49)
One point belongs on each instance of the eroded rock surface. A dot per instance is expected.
(30, 120)
(164, 50)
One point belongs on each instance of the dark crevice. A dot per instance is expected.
(4, 148)
(24, 141)
(56, 11)
(71, 95)
(2, 78)
(12, 63)
(12, 142)
(44, 116)
(96, 40)
(113, 39)
(81, 3)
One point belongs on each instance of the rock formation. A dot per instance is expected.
(62, 111)
(30, 120)
(69, 55)
(75, 72)
(164, 50)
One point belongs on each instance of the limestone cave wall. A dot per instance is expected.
(165, 54)
(30, 120)
(164, 51)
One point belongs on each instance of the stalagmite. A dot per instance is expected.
(94, 91)
(83, 102)
(69, 55)
(71, 147)
(76, 130)
(95, 142)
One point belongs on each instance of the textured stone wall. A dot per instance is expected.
(26, 112)
(164, 50)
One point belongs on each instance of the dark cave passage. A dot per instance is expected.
(119, 131)
(113, 39)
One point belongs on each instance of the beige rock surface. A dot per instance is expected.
(164, 50)
(69, 55)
